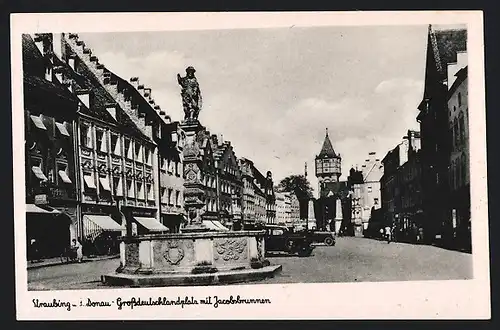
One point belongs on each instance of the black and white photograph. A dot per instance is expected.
(203, 166)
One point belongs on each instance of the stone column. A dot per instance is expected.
(194, 189)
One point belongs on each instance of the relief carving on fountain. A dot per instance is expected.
(230, 249)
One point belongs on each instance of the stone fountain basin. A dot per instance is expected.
(192, 258)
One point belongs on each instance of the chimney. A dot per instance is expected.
(221, 140)
(134, 81)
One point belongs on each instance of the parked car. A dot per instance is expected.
(327, 237)
(281, 238)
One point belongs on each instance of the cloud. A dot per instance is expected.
(397, 84)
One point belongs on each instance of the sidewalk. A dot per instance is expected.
(57, 261)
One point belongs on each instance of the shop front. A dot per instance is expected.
(47, 232)
(142, 221)
(101, 227)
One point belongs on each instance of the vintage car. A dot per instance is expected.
(282, 239)
(326, 237)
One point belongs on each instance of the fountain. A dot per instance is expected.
(198, 255)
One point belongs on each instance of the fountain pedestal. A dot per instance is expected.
(195, 258)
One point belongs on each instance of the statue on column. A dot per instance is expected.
(191, 94)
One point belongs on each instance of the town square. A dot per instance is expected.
(246, 156)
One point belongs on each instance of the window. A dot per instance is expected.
(459, 98)
(100, 136)
(118, 187)
(37, 170)
(89, 181)
(86, 135)
(138, 152)
(61, 127)
(147, 155)
(462, 128)
(375, 201)
(369, 189)
(128, 149)
(63, 173)
(115, 144)
(170, 196)
(104, 184)
(456, 133)
(177, 198)
(151, 195)
(140, 190)
(162, 164)
(130, 189)
(163, 195)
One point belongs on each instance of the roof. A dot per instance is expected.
(446, 44)
(327, 149)
(461, 76)
(38, 83)
(101, 101)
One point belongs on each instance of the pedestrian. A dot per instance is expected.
(388, 233)
(79, 249)
(34, 253)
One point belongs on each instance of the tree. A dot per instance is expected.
(297, 184)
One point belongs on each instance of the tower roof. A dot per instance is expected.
(327, 149)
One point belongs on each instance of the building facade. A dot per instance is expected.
(442, 49)
(132, 155)
(401, 189)
(258, 195)
(295, 209)
(50, 112)
(366, 195)
(283, 208)
(107, 140)
(459, 164)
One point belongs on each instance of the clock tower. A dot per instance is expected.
(328, 168)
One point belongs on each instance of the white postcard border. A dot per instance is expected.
(384, 300)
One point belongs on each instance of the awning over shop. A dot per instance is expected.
(151, 224)
(214, 225)
(104, 221)
(93, 225)
(32, 208)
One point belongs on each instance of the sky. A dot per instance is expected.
(273, 92)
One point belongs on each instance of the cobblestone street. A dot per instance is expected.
(352, 259)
